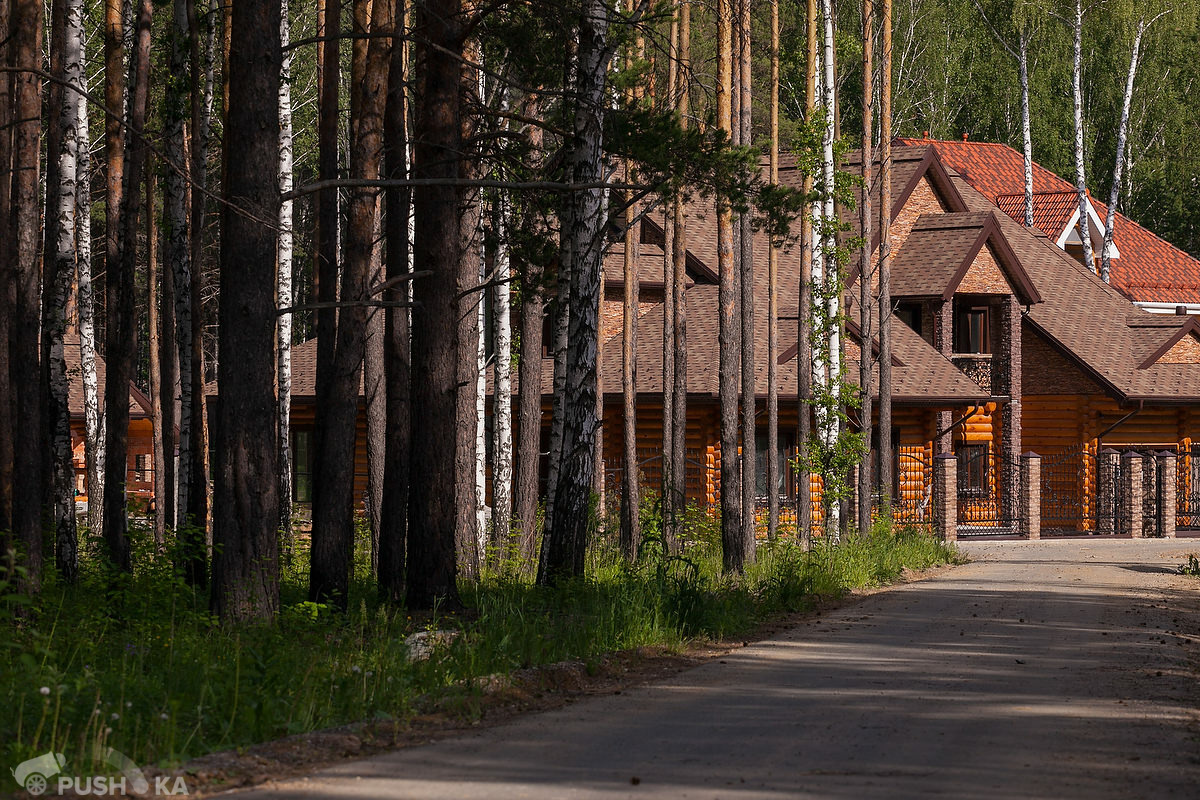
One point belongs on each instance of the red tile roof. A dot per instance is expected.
(1150, 269)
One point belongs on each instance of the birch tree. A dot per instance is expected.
(285, 279)
(502, 429)
(1122, 136)
(1077, 107)
(568, 537)
(66, 63)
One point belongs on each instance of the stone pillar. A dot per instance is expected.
(1131, 495)
(1166, 498)
(945, 497)
(943, 342)
(1031, 496)
(1106, 492)
(1006, 380)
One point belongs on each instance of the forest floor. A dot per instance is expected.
(1066, 668)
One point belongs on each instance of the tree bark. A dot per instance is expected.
(773, 302)
(502, 454)
(1119, 163)
(804, 353)
(886, 445)
(667, 489)
(438, 247)
(1085, 239)
(7, 287)
(732, 531)
(245, 579)
(631, 528)
(393, 516)
(62, 186)
(157, 403)
(121, 280)
(285, 293)
(678, 289)
(745, 267)
(571, 513)
(1026, 135)
(865, 306)
(25, 47)
(333, 516)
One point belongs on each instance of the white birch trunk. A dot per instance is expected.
(93, 422)
(65, 200)
(481, 508)
(284, 299)
(1026, 135)
(1080, 170)
(502, 453)
(1119, 165)
(829, 425)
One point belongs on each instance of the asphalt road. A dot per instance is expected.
(1064, 669)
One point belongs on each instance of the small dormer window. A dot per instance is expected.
(910, 315)
(972, 331)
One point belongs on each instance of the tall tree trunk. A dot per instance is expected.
(438, 247)
(502, 453)
(121, 280)
(745, 267)
(804, 352)
(393, 516)
(93, 427)
(66, 63)
(472, 465)
(168, 349)
(285, 293)
(179, 256)
(886, 445)
(1119, 163)
(7, 287)
(157, 402)
(1085, 239)
(245, 577)
(529, 408)
(25, 46)
(571, 518)
(1026, 135)
(827, 420)
(667, 489)
(333, 516)
(562, 317)
(773, 302)
(329, 511)
(678, 289)
(865, 306)
(631, 529)
(732, 532)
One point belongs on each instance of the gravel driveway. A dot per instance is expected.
(1055, 669)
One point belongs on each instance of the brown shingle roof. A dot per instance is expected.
(139, 403)
(1150, 269)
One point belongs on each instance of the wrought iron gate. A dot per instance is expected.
(1187, 488)
(1070, 501)
(983, 507)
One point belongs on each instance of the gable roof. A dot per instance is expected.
(1092, 323)
(139, 403)
(1150, 269)
(940, 250)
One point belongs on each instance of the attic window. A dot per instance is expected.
(910, 315)
(972, 332)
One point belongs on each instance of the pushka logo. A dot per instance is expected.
(44, 774)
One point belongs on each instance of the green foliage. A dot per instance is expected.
(136, 662)
(1192, 567)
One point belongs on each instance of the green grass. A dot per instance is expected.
(137, 663)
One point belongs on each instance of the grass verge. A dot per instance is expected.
(136, 663)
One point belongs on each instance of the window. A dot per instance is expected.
(972, 334)
(787, 449)
(302, 458)
(910, 315)
(974, 468)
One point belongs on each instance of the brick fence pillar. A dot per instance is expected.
(1006, 380)
(1166, 498)
(1131, 495)
(945, 497)
(1106, 492)
(1030, 511)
